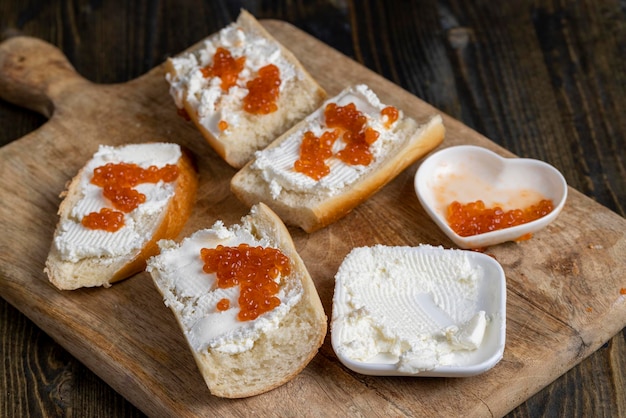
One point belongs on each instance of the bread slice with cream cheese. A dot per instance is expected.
(241, 357)
(82, 256)
(312, 203)
(213, 97)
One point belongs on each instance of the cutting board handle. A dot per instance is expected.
(33, 72)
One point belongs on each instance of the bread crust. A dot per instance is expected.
(280, 354)
(312, 211)
(237, 148)
(92, 272)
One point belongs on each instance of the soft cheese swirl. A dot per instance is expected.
(417, 305)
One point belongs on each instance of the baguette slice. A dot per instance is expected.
(298, 199)
(207, 104)
(241, 358)
(82, 257)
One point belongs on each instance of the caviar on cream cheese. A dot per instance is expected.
(276, 164)
(215, 107)
(193, 295)
(415, 308)
(75, 242)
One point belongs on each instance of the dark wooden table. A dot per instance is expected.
(545, 79)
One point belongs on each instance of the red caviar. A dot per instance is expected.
(314, 152)
(107, 219)
(347, 120)
(223, 304)
(263, 91)
(225, 67)
(474, 218)
(222, 125)
(122, 175)
(253, 269)
(123, 198)
(118, 181)
(392, 115)
(356, 136)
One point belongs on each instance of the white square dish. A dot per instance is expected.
(432, 308)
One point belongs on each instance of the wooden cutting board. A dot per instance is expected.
(564, 286)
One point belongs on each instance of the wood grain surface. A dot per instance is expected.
(543, 80)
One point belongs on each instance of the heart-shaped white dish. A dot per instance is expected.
(468, 173)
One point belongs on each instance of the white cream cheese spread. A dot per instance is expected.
(193, 294)
(205, 94)
(415, 307)
(276, 164)
(75, 242)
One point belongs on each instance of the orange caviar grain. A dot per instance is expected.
(263, 91)
(622, 291)
(253, 269)
(223, 304)
(222, 125)
(225, 67)
(474, 218)
(107, 219)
